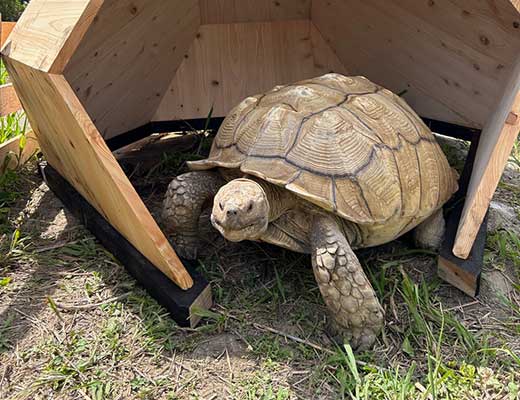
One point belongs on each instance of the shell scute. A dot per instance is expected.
(342, 143)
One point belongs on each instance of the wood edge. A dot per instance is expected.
(451, 273)
(203, 302)
(74, 38)
(172, 267)
(476, 206)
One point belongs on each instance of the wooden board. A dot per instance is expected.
(48, 32)
(182, 305)
(232, 11)
(495, 146)
(9, 102)
(451, 71)
(227, 63)
(325, 58)
(11, 149)
(5, 30)
(73, 145)
(122, 68)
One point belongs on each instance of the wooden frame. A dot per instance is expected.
(11, 152)
(87, 71)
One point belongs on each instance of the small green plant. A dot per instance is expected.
(12, 125)
(3, 73)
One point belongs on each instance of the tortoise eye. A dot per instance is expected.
(221, 206)
(250, 207)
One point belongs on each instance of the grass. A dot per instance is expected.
(130, 348)
(433, 347)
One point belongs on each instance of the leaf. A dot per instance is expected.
(5, 281)
(407, 347)
(22, 143)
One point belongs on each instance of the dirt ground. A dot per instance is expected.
(75, 325)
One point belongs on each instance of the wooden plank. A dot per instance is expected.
(464, 274)
(9, 102)
(227, 63)
(5, 30)
(325, 59)
(182, 305)
(233, 11)
(495, 146)
(410, 47)
(122, 68)
(17, 156)
(73, 145)
(49, 31)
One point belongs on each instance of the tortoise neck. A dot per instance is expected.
(280, 200)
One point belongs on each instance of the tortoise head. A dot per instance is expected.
(241, 210)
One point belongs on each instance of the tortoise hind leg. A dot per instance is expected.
(185, 200)
(430, 233)
(357, 316)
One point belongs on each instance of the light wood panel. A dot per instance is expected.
(325, 58)
(9, 102)
(451, 71)
(17, 156)
(227, 63)
(48, 32)
(232, 11)
(128, 57)
(5, 30)
(73, 145)
(495, 146)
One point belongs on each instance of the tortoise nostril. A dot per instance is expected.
(231, 212)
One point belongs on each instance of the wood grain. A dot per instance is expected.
(48, 31)
(232, 11)
(325, 58)
(495, 146)
(73, 145)
(127, 58)
(227, 63)
(451, 71)
(9, 102)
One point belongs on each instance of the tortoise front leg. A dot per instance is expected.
(357, 316)
(185, 199)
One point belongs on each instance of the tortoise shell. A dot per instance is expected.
(342, 143)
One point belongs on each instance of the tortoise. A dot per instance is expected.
(323, 166)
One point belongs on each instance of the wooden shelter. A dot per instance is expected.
(88, 71)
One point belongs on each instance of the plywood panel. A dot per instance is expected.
(445, 76)
(495, 146)
(73, 146)
(9, 102)
(227, 63)
(5, 30)
(325, 58)
(128, 57)
(48, 31)
(232, 11)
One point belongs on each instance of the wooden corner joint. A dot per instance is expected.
(513, 118)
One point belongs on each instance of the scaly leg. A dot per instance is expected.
(357, 316)
(185, 200)
(430, 233)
